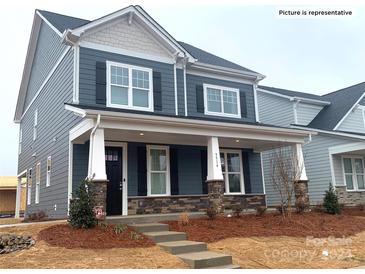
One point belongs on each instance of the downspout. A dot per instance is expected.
(91, 145)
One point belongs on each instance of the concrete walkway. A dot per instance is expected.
(33, 223)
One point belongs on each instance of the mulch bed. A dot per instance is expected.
(299, 225)
(99, 237)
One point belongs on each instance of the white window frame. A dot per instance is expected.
(167, 172)
(109, 64)
(223, 114)
(226, 173)
(48, 171)
(20, 140)
(37, 182)
(29, 186)
(35, 125)
(354, 174)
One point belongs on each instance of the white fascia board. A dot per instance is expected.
(347, 148)
(296, 98)
(348, 112)
(78, 111)
(349, 135)
(84, 126)
(49, 24)
(220, 76)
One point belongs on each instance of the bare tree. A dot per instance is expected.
(285, 171)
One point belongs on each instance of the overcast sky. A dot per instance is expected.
(312, 55)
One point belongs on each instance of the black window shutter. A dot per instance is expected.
(243, 104)
(246, 171)
(142, 170)
(174, 175)
(100, 78)
(157, 90)
(204, 163)
(199, 98)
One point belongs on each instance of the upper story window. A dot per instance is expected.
(222, 101)
(35, 125)
(129, 87)
(20, 140)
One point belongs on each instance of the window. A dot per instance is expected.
(231, 161)
(37, 182)
(222, 101)
(353, 168)
(129, 87)
(49, 167)
(158, 171)
(35, 125)
(29, 185)
(20, 140)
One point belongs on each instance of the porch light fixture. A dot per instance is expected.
(141, 134)
(237, 141)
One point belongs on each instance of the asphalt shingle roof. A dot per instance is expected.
(63, 22)
(292, 93)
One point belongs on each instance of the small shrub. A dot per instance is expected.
(119, 228)
(103, 226)
(211, 212)
(183, 219)
(134, 235)
(37, 216)
(301, 206)
(81, 208)
(260, 211)
(237, 210)
(330, 201)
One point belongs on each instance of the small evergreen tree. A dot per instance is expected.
(330, 201)
(81, 207)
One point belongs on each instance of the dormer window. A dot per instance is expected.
(222, 101)
(129, 87)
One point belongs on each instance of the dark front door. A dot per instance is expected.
(114, 172)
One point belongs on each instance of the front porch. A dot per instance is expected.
(173, 165)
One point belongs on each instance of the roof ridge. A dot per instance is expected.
(332, 92)
(63, 15)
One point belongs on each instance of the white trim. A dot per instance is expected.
(295, 107)
(76, 75)
(219, 76)
(333, 177)
(185, 91)
(29, 185)
(157, 58)
(125, 173)
(49, 24)
(167, 172)
(347, 148)
(221, 89)
(130, 68)
(349, 135)
(45, 81)
(175, 91)
(35, 125)
(353, 173)
(348, 112)
(298, 98)
(76, 110)
(70, 174)
(363, 115)
(20, 140)
(263, 178)
(82, 127)
(21, 174)
(37, 182)
(48, 172)
(257, 114)
(226, 172)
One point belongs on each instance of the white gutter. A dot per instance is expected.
(348, 135)
(91, 144)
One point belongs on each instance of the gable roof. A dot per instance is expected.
(292, 93)
(342, 102)
(63, 22)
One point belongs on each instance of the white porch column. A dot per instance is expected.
(97, 171)
(18, 197)
(298, 148)
(214, 160)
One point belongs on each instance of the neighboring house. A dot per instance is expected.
(8, 192)
(336, 154)
(147, 118)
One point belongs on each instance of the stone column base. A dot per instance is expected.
(216, 195)
(301, 193)
(99, 192)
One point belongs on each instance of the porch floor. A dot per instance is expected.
(148, 218)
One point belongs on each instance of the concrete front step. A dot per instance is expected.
(205, 259)
(166, 236)
(178, 247)
(227, 266)
(150, 227)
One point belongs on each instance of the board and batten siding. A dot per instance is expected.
(354, 122)
(275, 110)
(87, 78)
(54, 123)
(49, 50)
(306, 113)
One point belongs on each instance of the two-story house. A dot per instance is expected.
(158, 125)
(336, 154)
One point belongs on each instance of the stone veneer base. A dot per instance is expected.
(350, 198)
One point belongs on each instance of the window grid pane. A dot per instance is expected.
(140, 79)
(214, 100)
(230, 102)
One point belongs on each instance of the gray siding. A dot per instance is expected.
(87, 88)
(306, 113)
(54, 123)
(193, 81)
(275, 110)
(354, 122)
(80, 164)
(49, 50)
(180, 91)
